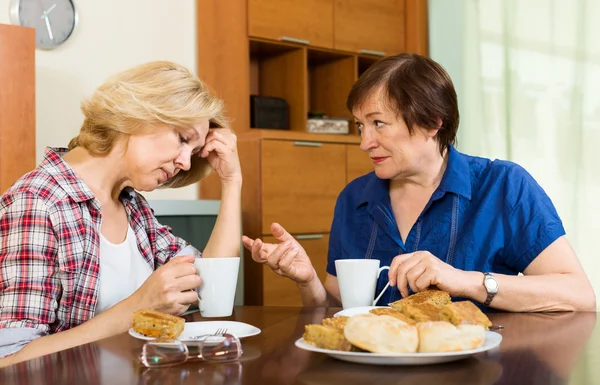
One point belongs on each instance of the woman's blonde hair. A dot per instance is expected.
(140, 99)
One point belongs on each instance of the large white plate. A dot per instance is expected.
(492, 340)
(358, 310)
(238, 329)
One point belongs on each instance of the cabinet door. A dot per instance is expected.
(310, 21)
(282, 291)
(369, 25)
(358, 162)
(300, 184)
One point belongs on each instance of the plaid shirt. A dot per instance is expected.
(49, 247)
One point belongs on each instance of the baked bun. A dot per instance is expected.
(381, 334)
(464, 312)
(442, 336)
(153, 323)
(326, 337)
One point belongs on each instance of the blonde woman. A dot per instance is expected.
(80, 249)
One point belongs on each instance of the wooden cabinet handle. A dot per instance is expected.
(371, 52)
(307, 144)
(294, 40)
(309, 236)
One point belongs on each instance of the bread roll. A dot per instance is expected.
(326, 337)
(442, 336)
(153, 323)
(464, 312)
(381, 334)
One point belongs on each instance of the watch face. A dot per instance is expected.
(53, 20)
(491, 285)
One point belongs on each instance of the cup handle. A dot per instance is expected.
(386, 286)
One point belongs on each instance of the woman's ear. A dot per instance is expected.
(432, 132)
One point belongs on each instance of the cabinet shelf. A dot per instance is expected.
(291, 135)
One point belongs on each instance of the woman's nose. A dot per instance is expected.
(367, 141)
(183, 161)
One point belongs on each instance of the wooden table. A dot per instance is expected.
(536, 349)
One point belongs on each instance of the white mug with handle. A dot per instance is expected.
(357, 279)
(216, 293)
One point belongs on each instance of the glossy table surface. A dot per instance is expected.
(558, 348)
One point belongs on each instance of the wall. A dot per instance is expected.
(112, 35)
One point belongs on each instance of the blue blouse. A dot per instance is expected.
(488, 216)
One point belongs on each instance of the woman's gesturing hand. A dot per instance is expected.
(287, 258)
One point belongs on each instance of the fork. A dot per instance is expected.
(219, 332)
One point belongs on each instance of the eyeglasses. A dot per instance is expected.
(163, 352)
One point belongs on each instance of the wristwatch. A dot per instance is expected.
(491, 286)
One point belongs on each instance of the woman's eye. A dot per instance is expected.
(182, 139)
(378, 123)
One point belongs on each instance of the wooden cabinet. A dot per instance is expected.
(369, 26)
(294, 179)
(358, 163)
(309, 53)
(300, 183)
(281, 291)
(17, 103)
(306, 21)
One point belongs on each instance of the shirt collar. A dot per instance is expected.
(456, 179)
(64, 175)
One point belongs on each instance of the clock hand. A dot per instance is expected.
(47, 12)
(48, 26)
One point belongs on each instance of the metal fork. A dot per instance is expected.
(219, 332)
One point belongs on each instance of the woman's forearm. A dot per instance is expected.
(535, 293)
(314, 294)
(113, 321)
(225, 238)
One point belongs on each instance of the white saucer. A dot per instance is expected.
(191, 329)
(358, 310)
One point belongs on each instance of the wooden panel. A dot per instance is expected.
(416, 27)
(223, 65)
(282, 291)
(284, 76)
(358, 163)
(300, 185)
(17, 103)
(249, 151)
(376, 25)
(330, 83)
(309, 20)
(303, 136)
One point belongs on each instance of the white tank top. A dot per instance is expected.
(123, 269)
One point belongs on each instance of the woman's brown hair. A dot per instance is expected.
(419, 90)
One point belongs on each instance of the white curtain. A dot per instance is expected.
(531, 94)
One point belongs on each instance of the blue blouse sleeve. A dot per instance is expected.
(531, 220)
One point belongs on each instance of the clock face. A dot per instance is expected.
(53, 20)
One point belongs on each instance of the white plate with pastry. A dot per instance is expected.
(492, 340)
(192, 329)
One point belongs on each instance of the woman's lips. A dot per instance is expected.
(378, 159)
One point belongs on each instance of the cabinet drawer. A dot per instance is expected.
(300, 184)
(282, 291)
(369, 25)
(358, 163)
(309, 21)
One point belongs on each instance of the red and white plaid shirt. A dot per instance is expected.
(50, 247)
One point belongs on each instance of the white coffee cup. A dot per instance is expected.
(357, 279)
(216, 293)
